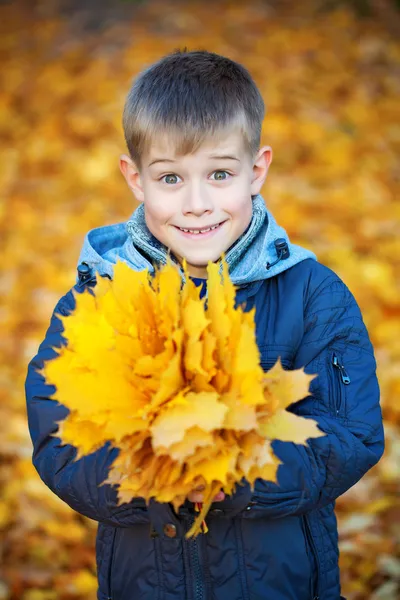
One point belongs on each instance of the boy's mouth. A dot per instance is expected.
(199, 232)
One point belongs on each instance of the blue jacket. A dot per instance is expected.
(279, 542)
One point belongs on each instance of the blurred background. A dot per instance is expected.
(330, 75)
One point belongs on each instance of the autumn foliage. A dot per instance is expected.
(176, 384)
(330, 82)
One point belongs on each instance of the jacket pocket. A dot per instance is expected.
(339, 379)
(313, 558)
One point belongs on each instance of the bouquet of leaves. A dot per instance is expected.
(175, 382)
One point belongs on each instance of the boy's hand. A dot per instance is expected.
(197, 496)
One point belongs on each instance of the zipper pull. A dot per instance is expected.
(343, 373)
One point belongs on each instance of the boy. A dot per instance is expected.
(192, 124)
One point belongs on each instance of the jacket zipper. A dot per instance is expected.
(194, 552)
(343, 373)
(311, 545)
(109, 597)
(344, 379)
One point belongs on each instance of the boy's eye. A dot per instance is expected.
(220, 175)
(170, 178)
(173, 179)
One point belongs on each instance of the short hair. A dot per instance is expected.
(191, 96)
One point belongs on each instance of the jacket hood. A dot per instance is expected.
(248, 258)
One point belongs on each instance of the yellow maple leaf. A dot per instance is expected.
(193, 439)
(288, 427)
(203, 410)
(286, 386)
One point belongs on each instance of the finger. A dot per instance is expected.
(196, 497)
(219, 497)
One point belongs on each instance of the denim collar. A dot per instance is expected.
(247, 259)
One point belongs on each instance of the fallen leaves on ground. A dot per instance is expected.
(331, 87)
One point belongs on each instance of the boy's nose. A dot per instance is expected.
(197, 202)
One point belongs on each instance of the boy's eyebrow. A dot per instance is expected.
(217, 156)
(225, 157)
(157, 160)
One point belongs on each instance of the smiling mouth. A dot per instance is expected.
(200, 230)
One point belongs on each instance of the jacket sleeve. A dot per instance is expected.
(344, 400)
(77, 482)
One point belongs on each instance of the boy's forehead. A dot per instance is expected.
(213, 146)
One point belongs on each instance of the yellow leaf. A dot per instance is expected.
(84, 582)
(216, 469)
(193, 439)
(171, 378)
(287, 427)
(203, 410)
(87, 434)
(240, 416)
(217, 303)
(286, 386)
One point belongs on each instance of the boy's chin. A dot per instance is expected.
(201, 259)
(202, 263)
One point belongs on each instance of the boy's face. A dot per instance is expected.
(199, 204)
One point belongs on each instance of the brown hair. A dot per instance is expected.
(190, 96)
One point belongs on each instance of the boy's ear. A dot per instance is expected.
(260, 169)
(132, 176)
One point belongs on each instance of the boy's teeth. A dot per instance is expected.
(198, 230)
